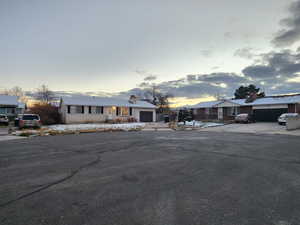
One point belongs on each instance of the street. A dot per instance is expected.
(153, 178)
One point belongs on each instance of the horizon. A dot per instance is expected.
(195, 51)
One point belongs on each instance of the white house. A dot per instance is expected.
(10, 105)
(89, 109)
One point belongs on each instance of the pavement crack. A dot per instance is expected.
(49, 185)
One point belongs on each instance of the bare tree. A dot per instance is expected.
(16, 91)
(44, 94)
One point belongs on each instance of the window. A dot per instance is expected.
(90, 109)
(124, 111)
(207, 111)
(99, 109)
(118, 111)
(69, 109)
(30, 117)
(10, 110)
(111, 110)
(79, 109)
(130, 111)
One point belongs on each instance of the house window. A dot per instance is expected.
(124, 111)
(2, 111)
(69, 109)
(207, 111)
(99, 109)
(79, 109)
(90, 109)
(10, 111)
(111, 110)
(130, 111)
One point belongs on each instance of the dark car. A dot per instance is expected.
(4, 119)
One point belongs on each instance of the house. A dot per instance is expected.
(10, 105)
(263, 109)
(89, 109)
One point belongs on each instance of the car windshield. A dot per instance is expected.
(30, 117)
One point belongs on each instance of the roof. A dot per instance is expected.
(272, 100)
(276, 100)
(101, 101)
(9, 100)
(205, 104)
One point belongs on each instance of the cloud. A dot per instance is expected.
(245, 53)
(259, 72)
(150, 78)
(291, 33)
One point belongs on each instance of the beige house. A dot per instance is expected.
(89, 109)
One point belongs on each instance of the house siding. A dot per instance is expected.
(93, 117)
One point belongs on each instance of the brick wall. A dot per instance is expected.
(246, 109)
(200, 114)
(292, 108)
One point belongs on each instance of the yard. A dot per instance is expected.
(153, 177)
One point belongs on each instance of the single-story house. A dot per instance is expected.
(89, 109)
(10, 105)
(263, 109)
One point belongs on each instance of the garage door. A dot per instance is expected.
(268, 115)
(146, 116)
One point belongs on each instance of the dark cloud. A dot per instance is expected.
(291, 33)
(259, 72)
(226, 78)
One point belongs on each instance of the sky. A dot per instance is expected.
(194, 49)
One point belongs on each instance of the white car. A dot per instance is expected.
(282, 118)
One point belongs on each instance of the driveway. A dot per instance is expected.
(5, 137)
(155, 178)
(256, 128)
(3, 131)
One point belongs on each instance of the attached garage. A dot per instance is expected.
(146, 116)
(268, 113)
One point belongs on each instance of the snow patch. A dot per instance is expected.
(200, 124)
(78, 127)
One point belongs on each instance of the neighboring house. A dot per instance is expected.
(10, 105)
(263, 109)
(95, 109)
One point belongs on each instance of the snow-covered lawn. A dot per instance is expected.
(79, 127)
(200, 124)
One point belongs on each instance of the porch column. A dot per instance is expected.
(220, 113)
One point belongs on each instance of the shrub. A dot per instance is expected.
(49, 114)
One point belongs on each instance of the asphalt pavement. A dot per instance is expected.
(151, 178)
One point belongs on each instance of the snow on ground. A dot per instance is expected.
(78, 127)
(200, 124)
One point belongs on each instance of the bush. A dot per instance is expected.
(49, 114)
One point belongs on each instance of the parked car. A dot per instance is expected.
(243, 118)
(283, 117)
(28, 120)
(4, 119)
